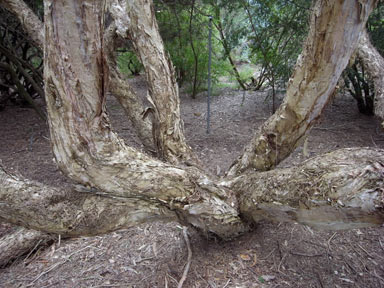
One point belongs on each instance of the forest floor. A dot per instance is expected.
(154, 255)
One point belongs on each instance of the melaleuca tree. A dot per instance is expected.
(118, 186)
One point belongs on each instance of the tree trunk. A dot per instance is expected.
(195, 55)
(85, 148)
(125, 95)
(119, 87)
(227, 50)
(340, 190)
(20, 242)
(121, 187)
(374, 65)
(334, 32)
(137, 22)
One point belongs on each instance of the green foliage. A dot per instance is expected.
(128, 63)
(375, 27)
(269, 34)
(278, 30)
(185, 36)
(360, 87)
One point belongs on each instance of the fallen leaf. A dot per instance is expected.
(245, 257)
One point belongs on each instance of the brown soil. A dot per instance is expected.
(154, 255)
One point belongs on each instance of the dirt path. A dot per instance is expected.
(154, 255)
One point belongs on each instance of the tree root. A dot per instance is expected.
(20, 242)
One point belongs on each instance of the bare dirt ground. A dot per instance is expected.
(154, 255)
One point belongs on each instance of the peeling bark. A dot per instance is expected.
(124, 93)
(343, 189)
(72, 212)
(119, 88)
(85, 148)
(122, 187)
(334, 32)
(136, 21)
(374, 65)
(340, 190)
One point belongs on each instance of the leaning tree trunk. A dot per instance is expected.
(124, 93)
(136, 21)
(374, 65)
(334, 32)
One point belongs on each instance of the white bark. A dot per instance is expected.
(119, 88)
(338, 190)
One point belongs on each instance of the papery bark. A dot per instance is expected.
(136, 21)
(343, 189)
(20, 242)
(85, 148)
(334, 32)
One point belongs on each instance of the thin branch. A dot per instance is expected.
(186, 269)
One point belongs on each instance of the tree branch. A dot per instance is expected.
(374, 65)
(135, 20)
(125, 95)
(20, 242)
(343, 189)
(30, 22)
(334, 32)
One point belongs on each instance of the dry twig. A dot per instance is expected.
(186, 269)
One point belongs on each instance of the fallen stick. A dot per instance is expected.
(186, 269)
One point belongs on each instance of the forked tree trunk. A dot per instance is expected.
(123, 187)
(119, 88)
(85, 148)
(333, 36)
(374, 65)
